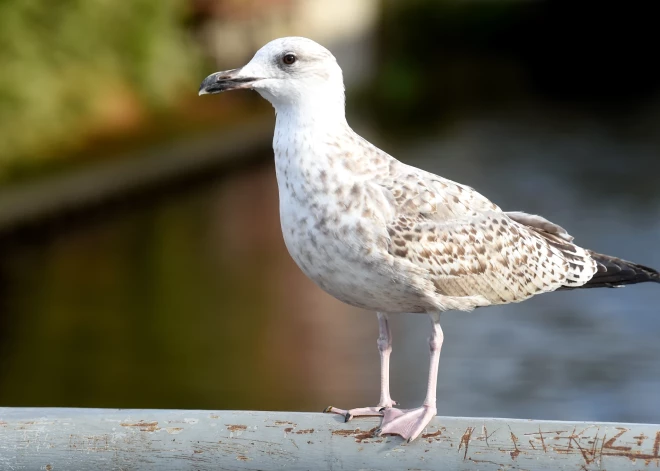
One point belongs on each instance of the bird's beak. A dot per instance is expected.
(225, 80)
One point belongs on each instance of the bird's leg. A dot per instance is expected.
(410, 423)
(385, 349)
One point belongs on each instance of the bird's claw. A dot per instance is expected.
(351, 414)
(408, 424)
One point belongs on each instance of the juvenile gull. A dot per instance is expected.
(382, 235)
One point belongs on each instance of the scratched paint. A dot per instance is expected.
(90, 439)
(143, 426)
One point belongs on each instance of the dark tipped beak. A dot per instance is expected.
(224, 81)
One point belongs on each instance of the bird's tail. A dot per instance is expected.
(614, 272)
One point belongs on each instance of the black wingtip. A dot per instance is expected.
(615, 272)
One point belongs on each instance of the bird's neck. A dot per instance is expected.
(303, 131)
(309, 145)
(319, 111)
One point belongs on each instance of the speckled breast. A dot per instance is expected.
(343, 258)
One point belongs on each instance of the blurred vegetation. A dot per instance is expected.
(73, 69)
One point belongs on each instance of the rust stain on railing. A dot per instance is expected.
(465, 441)
(236, 428)
(359, 435)
(143, 426)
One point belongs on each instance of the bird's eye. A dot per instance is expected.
(289, 58)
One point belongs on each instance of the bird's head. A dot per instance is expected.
(287, 72)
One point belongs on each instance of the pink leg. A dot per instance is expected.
(410, 423)
(385, 349)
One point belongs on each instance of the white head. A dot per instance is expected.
(289, 72)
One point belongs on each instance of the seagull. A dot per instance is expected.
(385, 236)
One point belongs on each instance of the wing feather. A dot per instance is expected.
(415, 192)
(490, 255)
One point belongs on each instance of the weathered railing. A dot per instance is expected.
(104, 439)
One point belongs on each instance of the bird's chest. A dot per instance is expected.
(317, 233)
(326, 236)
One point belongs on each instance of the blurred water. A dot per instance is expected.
(190, 299)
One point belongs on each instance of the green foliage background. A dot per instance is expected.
(59, 58)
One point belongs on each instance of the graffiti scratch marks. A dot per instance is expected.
(465, 440)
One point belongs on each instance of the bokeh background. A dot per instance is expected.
(141, 260)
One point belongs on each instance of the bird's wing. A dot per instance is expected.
(469, 247)
(490, 255)
(414, 192)
(540, 224)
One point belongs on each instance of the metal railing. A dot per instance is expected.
(109, 439)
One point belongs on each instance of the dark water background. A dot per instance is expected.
(188, 299)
